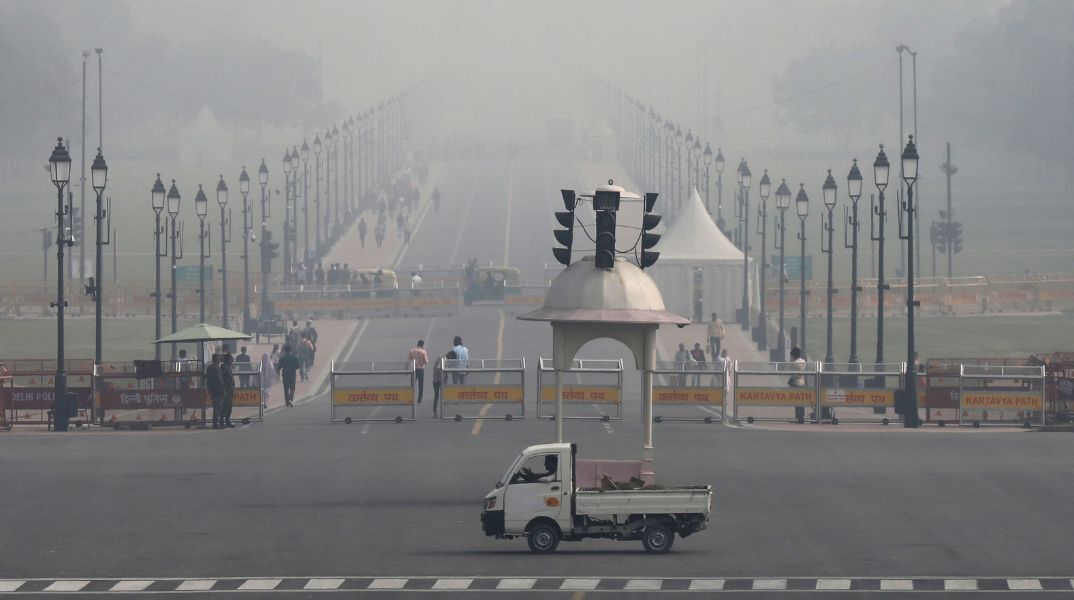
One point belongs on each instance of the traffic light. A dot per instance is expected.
(565, 236)
(648, 240)
(268, 252)
(956, 237)
(76, 224)
(938, 236)
(605, 254)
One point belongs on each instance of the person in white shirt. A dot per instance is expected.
(462, 354)
(415, 279)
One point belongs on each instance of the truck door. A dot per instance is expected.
(537, 489)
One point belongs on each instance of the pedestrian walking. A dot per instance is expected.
(438, 379)
(723, 365)
(698, 354)
(304, 352)
(215, 385)
(288, 368)
(378, 233)
(420, 358)
(311, 334)
(244, 358)
(683, 362)
(362, 229)
(715, 333)
(228, 376)
(462, 355)
(268, 379)
(798, 380)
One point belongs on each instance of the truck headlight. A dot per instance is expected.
(490, 503)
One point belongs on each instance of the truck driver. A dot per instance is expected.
(551, 461)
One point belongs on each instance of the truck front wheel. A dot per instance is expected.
(543, 538)
(658, 539)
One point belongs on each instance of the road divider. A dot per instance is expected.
(498, 383)
(588, 381)
(357, 388)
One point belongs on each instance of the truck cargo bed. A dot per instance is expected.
(687, 499)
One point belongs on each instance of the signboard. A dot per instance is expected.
(188, 274)
(793, 266)
(250, 397)
(687, 395)
(483, 393)
(776, 396)
(1013, 400)
(374, 396)
(857, 397)
(151, 399)
(38, 398)
(599, 394)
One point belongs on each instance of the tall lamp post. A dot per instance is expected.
(697, 164)
(720, 223)
(262, 179)
(225, 237)
(173, 211)
(688, 143)
(328, 184)
(801, 203)
(909, 175)
(317, 192)
(764, 189)
(60, 170)
(305, 200)
(335, 172)
(247, 226)
(827, 228)
(707, 160)
(877, 217)
(745, 184)
(738, 202)
(201, 207)
(286, 217)
(293, 206)
(678, 143)
(851, 226)
(783, 202)
(99, 175)
(157, 196)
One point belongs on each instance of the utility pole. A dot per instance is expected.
(949, 170)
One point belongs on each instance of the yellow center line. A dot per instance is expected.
(477, 424)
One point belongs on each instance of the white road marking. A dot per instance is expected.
(769, 584)
(260, 584)
(417, 225)
(387, 584)
(643, 584)
(833, 584)
(454, 583)
(516, 583)
(1026, 584)
(897, 584)
(579, 584)
(10, 585)
(68, 585)
(706, 584)
(196, 585)
(960, 584)
(323, 584)
(131, 585)
(372, 413)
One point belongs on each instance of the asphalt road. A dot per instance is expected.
(297, 497)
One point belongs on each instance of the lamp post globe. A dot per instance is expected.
(244, 182)
(99, 172)
(60, 165)
(174, 200)
(262, 173)
(157, 195)
(201, 203)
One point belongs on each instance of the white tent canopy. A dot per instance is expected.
(693, 245)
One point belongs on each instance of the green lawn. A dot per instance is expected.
(124, 339)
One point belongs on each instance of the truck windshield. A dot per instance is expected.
(510, 471)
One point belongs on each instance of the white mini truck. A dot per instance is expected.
(549, 495)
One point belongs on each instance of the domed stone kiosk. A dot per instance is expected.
(585, 303)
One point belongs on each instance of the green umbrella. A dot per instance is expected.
(202, 332)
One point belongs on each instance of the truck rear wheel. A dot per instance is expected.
(658, 539)
(543, 538)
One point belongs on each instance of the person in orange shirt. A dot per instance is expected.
(420, 358)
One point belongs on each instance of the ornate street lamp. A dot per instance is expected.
(287, 217)
(201, 208)
(317, 191)
(707, 160)
(225, 237)
(176, 231)
(827, 227)
(262, 179)
(854, 182)
(293, 206)
(783, 202)
(910, 161)
(764, 189)
(688, 143)
(328, 146)
(157, 196)
(719, 192)
(801, 203)
(744, 182)
(247, 226)
(877, 217)
(60, 170)
(99, 176)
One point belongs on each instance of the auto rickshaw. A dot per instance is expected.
(489, 284)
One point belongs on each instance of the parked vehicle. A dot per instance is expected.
(549, 495)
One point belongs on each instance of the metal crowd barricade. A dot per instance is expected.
(768, 389)
(28, 386)
(1001, 395)
(150, 393)
(698, 385)
(851, 392)
(247, 405)
(367, 388)
(597, 382)
(490, 382)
